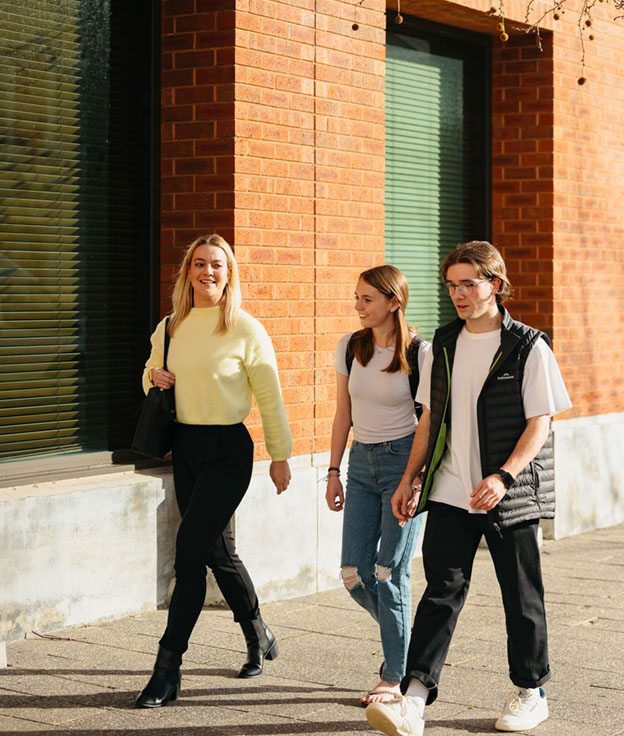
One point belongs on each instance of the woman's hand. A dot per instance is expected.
(334, 495)
(162, 379)
(279, 470)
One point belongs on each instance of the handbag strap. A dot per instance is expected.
(166, 343)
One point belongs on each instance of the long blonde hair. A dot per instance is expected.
(391, 283)
(182, 297)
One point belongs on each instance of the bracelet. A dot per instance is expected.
(336, 469)
(328, 476)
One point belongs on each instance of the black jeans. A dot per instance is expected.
(212, 468)
(450, 543)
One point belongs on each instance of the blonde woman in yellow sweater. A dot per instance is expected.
(218, 356)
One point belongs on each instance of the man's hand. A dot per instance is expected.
(403, 505)
(279, 470)
(488, 493)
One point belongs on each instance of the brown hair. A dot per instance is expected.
(182, 297)
(487, 261)
(391, 283)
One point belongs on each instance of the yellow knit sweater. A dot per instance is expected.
(216, 375)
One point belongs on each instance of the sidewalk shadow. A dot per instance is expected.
(471, 725)
(257, 729)
(191, 698)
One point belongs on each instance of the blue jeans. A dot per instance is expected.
(376, 552)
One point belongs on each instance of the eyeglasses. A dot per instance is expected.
(462, 289)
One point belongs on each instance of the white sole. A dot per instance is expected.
(381, 721)
(524, 727)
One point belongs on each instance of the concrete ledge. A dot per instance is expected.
(589, 484)
(80, 550)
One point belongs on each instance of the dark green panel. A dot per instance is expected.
(435, 161)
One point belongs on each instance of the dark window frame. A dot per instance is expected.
(476, 48)
(56, 467)
(436, 32)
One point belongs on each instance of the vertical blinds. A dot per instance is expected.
(430, 176)
(73, 249)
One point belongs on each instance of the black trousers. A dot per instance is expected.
(212, 467)
(450, 543)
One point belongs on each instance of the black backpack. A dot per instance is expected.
(412, 359)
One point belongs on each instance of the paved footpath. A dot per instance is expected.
(84, 680)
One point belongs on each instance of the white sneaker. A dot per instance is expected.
(399, 717)
(523, 710)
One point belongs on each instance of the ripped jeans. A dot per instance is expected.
(376, 552)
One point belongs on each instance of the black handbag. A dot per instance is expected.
(154, 431)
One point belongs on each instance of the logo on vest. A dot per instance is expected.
(506, 377)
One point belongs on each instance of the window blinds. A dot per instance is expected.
(430, 124)
(73, 250)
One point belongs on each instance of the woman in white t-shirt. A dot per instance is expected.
(374, 394)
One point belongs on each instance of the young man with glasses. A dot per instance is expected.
(489, 387)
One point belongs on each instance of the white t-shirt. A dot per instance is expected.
(543, 392)
(382, 408)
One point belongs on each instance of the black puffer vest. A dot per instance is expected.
(501, 421)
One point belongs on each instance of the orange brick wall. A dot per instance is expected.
(273, 135)
(562, 228)
(294, 156)
(589, 216)
(522, 173)
(197, 128)
(557, 184)
(309, 184)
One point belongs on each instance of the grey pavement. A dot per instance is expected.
(84, 680)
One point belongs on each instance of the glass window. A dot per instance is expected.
(437, 157)
(75, 224)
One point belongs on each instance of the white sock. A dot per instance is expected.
(526, 691)
(419, 693)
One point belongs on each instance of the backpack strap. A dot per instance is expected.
(350, 353)
(414, 376)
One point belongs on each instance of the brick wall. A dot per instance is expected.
(197, 128)
(273, 135)
(309, 184)
(558, 179)
(522, 173)
(588, 214)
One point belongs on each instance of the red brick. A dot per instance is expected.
(177, 7)
(196, 22)
(188, 59)
(177, 112)
(178, 41)
(194, 130)
(178, 78)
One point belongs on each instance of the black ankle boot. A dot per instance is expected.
(164, 684)
(261, 645)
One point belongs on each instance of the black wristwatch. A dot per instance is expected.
(508, 479)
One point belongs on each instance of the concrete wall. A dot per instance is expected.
(76, 551)
(80, 550)
(588, 476)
